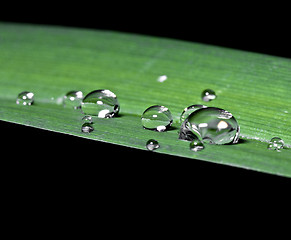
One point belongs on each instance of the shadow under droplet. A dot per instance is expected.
(119, 115)
(240, 141)
(125, 115)
(171, 128)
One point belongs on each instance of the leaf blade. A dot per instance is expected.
(51, 61)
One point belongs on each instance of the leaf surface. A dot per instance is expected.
(51, 61)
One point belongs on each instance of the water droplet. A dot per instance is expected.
(152, 144)
(87, 119)
(158, 118)
(87, 127)
(212, 125)
(162, 78)
(73, 99)
(276, 144)
(25, 98)
(196, 145)
(188, 110)
(101, 103)
(208, 95)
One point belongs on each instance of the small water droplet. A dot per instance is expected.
(276, 144)
(25, 98)
(212, 125)
(162, 78)
(101, 103)
(196, 145)
(152, 144)
(87, 119)
(188, 110)
(73, 99)
(158, 118)
(87, 127)
(208, 95)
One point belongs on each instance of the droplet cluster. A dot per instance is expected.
(199, 124)
(98, 104)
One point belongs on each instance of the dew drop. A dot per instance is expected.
(73, 99)
(196, 145)
(87, 127)
(87, 119)
(212, 125)
(152, 144)
(101, 103)
(276, 144)
(25, 98)
(157, 118)
(162, 78)
(208, 95)
(188, 110)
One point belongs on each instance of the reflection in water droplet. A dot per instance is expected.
(73, 99)
(158, 118)
(188, 110)
(25, 98)
(208, 95)
(196, 145)
(212, 125)
(276, 144)
(152, 144)
(185, 133)
(101, 103)
(87, 128)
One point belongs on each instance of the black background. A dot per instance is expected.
(89, 163)
(241, 25)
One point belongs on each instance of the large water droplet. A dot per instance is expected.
(208, 95)
(188, 110)
(87, 128)
(276, 144)
(212, 125)
(25, 98)
(73, 99)
(196, 145)
(101, 103)
(152, 144)
(158, 118)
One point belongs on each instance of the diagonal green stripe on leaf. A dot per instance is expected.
(50, 61)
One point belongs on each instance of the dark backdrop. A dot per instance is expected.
(258, 28)
(241, 27)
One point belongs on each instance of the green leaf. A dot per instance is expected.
(50, 61)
